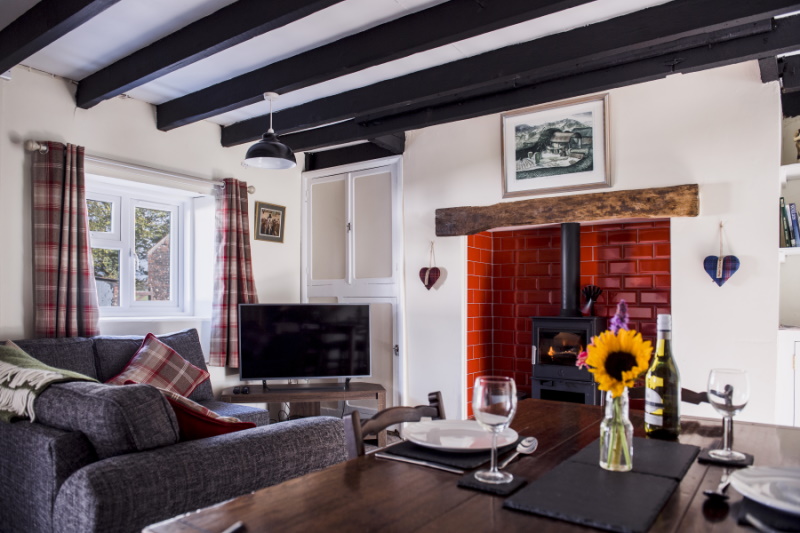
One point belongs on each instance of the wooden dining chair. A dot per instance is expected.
(636, 395)
(356, 430)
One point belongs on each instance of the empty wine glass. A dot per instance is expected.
(494, 402)
(728, 392)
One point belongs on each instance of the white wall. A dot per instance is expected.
(41, 107)
(719, 129)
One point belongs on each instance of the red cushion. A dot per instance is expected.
(195, 425)
(155, 363)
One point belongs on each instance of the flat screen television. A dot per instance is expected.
(303, 341)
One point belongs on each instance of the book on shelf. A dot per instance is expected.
(786, 225)
(795, 225)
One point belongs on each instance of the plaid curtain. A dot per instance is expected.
(64, 290)
(233, 273)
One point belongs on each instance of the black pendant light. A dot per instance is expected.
(269, 152)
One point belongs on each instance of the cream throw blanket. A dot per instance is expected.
(23, 378)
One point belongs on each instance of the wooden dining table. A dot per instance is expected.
(373, 494)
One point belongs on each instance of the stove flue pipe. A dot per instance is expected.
(570, 269)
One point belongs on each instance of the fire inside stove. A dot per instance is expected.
(561, 348)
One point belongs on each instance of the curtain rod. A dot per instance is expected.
(34, 146)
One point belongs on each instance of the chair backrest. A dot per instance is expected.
(636, 395)
(355, 430)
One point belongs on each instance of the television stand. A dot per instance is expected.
(311, 394)
(306, 386)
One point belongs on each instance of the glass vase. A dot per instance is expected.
(616, 435)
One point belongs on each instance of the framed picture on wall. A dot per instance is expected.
(556, 147)
(269, 222)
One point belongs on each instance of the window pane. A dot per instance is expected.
(328, 230)
(153, 258)
(99, 215)
(106, 276)
(373, 217)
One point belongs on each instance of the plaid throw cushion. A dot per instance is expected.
(198, 422)
(157, 364)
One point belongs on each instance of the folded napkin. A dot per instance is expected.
(462, 460)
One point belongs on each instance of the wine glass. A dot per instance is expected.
(494, 402)
(728, 392)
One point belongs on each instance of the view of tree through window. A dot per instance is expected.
(152, 250)
(100, 215)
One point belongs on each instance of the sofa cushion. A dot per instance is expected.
(157, 364)
(116, 420)
(74, 353)
(198, 422)
(245, 413)
(114, 353)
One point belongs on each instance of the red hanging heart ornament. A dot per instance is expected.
(429, 276)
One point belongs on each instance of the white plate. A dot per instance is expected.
(774, 487)
(455, 435)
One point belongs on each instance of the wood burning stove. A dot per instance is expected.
(557, 341)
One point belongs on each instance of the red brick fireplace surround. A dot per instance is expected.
(514, 275)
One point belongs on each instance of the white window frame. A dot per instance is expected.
(126, 197)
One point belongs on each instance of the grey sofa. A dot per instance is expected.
(109, 458)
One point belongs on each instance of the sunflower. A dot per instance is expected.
(617, 359)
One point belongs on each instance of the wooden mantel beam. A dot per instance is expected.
(664, 202)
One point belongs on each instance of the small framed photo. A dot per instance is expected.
(556, 147)
(269, 222)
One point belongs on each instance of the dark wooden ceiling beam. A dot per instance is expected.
(785, 37)
(375, 149)
(42, 24)
(790, 74)
(790, 102)
(229, 26)
(394, 143)
(437, 26)
(768, 66)
(650, 32)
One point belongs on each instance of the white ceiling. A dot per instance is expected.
(132, 24)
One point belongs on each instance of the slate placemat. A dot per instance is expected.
(705, 458)
(464, 461)
(586, 494)
(650, 456)
(468, 481)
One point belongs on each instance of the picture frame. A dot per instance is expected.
(270, 222)
(558, 147)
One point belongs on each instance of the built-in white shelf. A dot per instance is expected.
(783, 253)
(790, 172)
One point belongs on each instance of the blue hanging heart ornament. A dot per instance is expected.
(721, 268)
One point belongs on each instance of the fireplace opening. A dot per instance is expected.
(515, 275)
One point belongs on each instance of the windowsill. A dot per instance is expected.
(170, 318)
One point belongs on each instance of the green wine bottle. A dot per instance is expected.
(662, 407)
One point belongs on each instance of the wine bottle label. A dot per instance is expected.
(653, 408)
